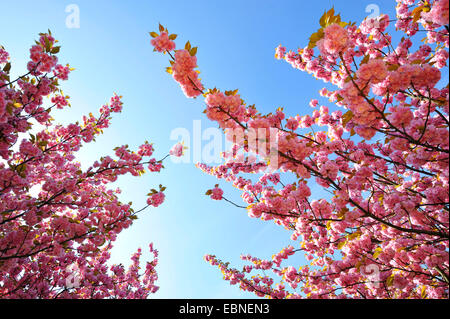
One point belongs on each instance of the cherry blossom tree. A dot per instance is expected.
(58, 221)
(382, 154)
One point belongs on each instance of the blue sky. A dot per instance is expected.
(111, 53)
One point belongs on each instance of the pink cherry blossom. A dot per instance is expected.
(156, 199)
(439, 12)
(216, 193)
(177, 150)
(381, 152)
(336, 39)
(374, 71)
(162, 43)
(59, 220)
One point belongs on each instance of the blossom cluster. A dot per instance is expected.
(163, 43)
(58, 221)
(382, 153)
(185, 74)
(183, 62)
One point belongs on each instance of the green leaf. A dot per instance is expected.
(323, 19)
(314, 38)
(393, 67)
(47, 44)
(330, 13)
(347, 117)
(365, 59)
(416, 13)
(328, 17)
(187, 46)
(193, 51)
(377, 252)
(336, 19)
(341, 244)
(348, 79)
(7, 67)
(55, 50)
(423, 292)
(153, 34)
(390, 280)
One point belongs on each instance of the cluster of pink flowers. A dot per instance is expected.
(284, 254)
(220, 107)
(261, 286)
(4, 55)
(156, 199)
(280, 52)
(162, 43)
(146, 149)
(216, 193)
(60, 101)
(185, 74)
(374, 71)
(42, 60)
(439, 12)
(375, 26)
(291, 276)
(384, 231)
(440, 58)
(419, 77)
(73, 218)
(335, 41)
(177, 150)
(62, 72)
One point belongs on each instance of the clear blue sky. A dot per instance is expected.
(111, 53)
